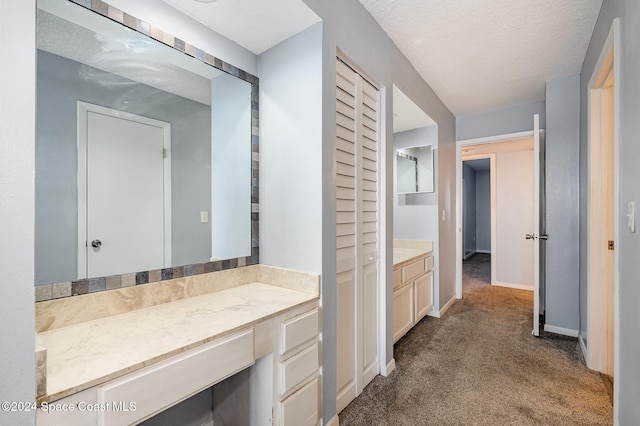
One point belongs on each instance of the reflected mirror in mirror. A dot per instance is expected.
(414, 168)
(143, 153)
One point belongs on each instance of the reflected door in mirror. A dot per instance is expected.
(125, 182)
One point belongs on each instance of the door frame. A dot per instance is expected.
(595, 350)
(459, 146)
(83, 109)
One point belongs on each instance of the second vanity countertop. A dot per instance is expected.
(406, 250)
(92, 352)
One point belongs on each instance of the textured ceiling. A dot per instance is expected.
(254, 25)
(481, 55)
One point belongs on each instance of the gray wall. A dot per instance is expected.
(483, 211)
(562, 176)
(627, 409)
(349, 27)
(17, 145)
(415, 216)
(60, 86)
(469, 205)
(501, 121)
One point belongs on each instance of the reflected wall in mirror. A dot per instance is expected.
(414, 169)
(144, 164)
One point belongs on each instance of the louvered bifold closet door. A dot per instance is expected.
(367, 224)
(346, 215)
(356, 233)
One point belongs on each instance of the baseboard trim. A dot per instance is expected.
(439, 313)
(388, 369)
(483, 251)
(560, 330)
(583, 346)
(335, 421)
(526, 287)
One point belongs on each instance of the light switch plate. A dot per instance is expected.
(204, 217)
(631, 216)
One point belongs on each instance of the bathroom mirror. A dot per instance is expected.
(144, 150)
(414, 169)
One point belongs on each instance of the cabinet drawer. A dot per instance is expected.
(412, 270)
(158, 387)
(299, 367)
(301, 408)
(299, 330)
(403, 311)
(397, 278)
(428, 263)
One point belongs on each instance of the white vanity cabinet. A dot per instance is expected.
(412, 292)
(107, 372)
(291, 338)
(299, 365)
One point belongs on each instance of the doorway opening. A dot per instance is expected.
(478, 216)
(515, 211)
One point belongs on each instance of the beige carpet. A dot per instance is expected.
(479, 365)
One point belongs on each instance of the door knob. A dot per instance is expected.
(530, 236)
(544, 237)
(96, 243)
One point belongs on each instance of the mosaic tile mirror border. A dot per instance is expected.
(92, 285)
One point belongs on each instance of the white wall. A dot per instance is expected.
(514, 217)
(230, 167)
(291, 152)
(17, 210)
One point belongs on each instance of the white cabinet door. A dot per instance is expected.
(424, 295)
(403, 311)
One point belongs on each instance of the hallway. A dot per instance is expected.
(479, 365)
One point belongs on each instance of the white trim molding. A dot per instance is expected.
(585, 352)
(517, 286)
(335, 421)
(440, 312)
(388, 369)
(560, 330)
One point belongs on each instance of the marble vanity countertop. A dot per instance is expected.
(89, 353)
(403, 255)
(406, 250)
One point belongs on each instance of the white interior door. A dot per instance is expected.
(356, 233)
(368, 231)
(124, 214)
(536, 225)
